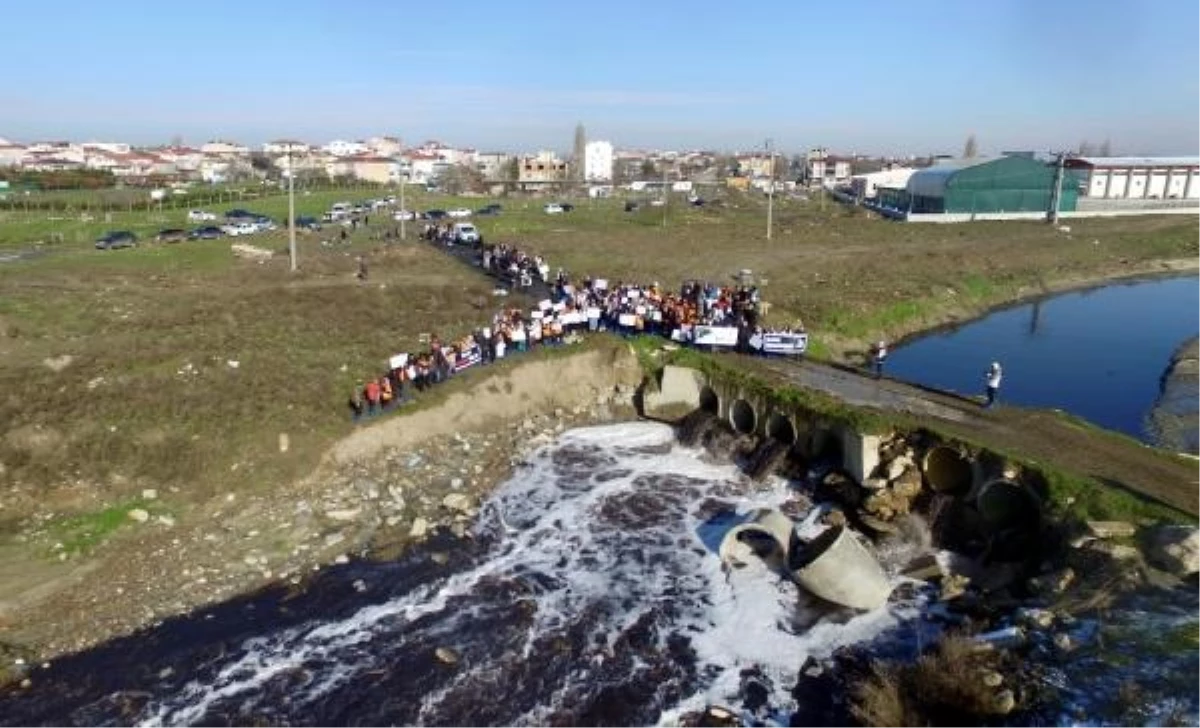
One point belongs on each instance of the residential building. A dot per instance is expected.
(541, 169)
(187, 160)
(423, 167)
(220, 148)
(11, 154)
(285, 146)
(1137, 178)
(493, 165)
(385, 146)
(342, 148)
(757, 165)
(113, 147)
(598, 161)
(373, 168)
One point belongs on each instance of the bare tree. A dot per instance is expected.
(971, 148)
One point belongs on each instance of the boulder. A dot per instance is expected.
(446, 656)
(1056, 582)
(897, 467)
(1174, 549)
(139, 514)
(420, 527)
(1111, 529)
(924, 568)
(908, 484)
(460, 502)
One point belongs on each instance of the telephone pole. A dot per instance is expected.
(666, 194)
(1056, 193)
(291, 173)
(770, 189)
(403, 179)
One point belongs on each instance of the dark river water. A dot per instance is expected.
(1098, 354)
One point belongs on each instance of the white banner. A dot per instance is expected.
(600, 284)
(716, 336)
(783, 343)
(681, 335)
(544, 305)
(398, 361)
(536, 315)
(627, 319)
(572, 318)
(593, 312)
(517, 334)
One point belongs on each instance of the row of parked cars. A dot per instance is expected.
(237, 222)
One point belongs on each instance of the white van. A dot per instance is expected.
(465, 233)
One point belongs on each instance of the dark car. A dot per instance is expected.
(240, 214)
(492, 209)
(566, 206)
(435, 215)
(208, 232)
(631, 206)
(308, 223)
(116, 239)
(171, 235)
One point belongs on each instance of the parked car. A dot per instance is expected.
(235, 229)
(553, 208)
(404, 215)
(459, 212)
(466, 234)
(263, 223)
(305, 222)
(239, 214)
(631, 206)
(116, 239)
(208, 232)
(434, 215)
(492, 209)
(566, 206)
(200, 216)
(171, 235)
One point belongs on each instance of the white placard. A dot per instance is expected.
(559, 306)
(544, 305)
(627, 319)
(572, 318)
(517, 334)
(640, 310)
(716, 336)
(781, 343)
(536, 315)
(600, 284)
(398, 361)
(593, 312)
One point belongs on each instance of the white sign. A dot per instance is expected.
(536, 315)
(570, 319)
(559, 307)
(782, 343)
(593, 312)
(600, 284)
(716, 336)
(544, 305)
(627, 319)
(398, 361)
(517, 334)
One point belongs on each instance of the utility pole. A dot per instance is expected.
(666, 195)
(1056, 193)
(291, 173)
(770, 189)
(403, 209)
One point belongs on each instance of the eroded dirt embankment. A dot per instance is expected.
(386, 484)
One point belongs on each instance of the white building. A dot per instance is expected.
(1137, 178)
(598, 162)
(865, 186)
(385, 146)
(492, 165)
(342, 148)
(11, 154)
(220, 148)
(285, 146)
(111, 147)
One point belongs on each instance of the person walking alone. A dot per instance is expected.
(880, 354)
(992, 379)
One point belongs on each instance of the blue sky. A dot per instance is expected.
(873, 76)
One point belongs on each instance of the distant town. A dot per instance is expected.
(1089, 180)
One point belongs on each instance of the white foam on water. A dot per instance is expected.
(610, 524)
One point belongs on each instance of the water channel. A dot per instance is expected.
(1099, 353)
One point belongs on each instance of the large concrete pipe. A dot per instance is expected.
(709, 401)
(1007, 504)
(779, 428)
(742, 417)
(838, 568)
(767, 536)
(947, 470)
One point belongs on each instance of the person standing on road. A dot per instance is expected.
(880, 356)
(362, 269)
(992, 379)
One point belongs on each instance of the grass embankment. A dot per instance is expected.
(186, 364)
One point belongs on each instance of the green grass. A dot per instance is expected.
(81, 534)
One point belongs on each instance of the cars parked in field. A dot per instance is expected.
(305, 222)
(234, 229)
(434, 215)
(553, 208)
(492, 209)
(208, 232)
(116, 239)
(459, 212)
(171, 235)
(464, 233)
(200, 216)
(404, 215)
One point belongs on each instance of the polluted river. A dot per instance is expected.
(590, 590)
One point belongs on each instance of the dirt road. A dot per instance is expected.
(1040, 435)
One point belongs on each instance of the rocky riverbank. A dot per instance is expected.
(388, 484)
(1172, 420)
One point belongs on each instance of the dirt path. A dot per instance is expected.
(1110, 459)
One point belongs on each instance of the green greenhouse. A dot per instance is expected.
(985, 185)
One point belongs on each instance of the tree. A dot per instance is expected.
(648, 170)
(580, 152)
(971, 148)
(1085, 148)
(460, 178)
(1105, 148)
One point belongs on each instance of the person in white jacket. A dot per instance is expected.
(992, 378)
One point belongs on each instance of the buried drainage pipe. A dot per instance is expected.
(779, 428)
(709, 401)
(947, 470)
(1007, 504)
(742, 417)
(838, 568)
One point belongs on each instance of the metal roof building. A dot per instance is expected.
(988, 185)
(1138, 178)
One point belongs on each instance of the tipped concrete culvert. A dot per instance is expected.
(709, 401)
(742, 417)
(838, 568)
(947, 470)
(780, 429)
(767, 536)
(1007, 504)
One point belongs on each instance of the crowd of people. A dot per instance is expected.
(587, 304)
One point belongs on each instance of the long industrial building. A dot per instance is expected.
(1137, 178)
(982, 186)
